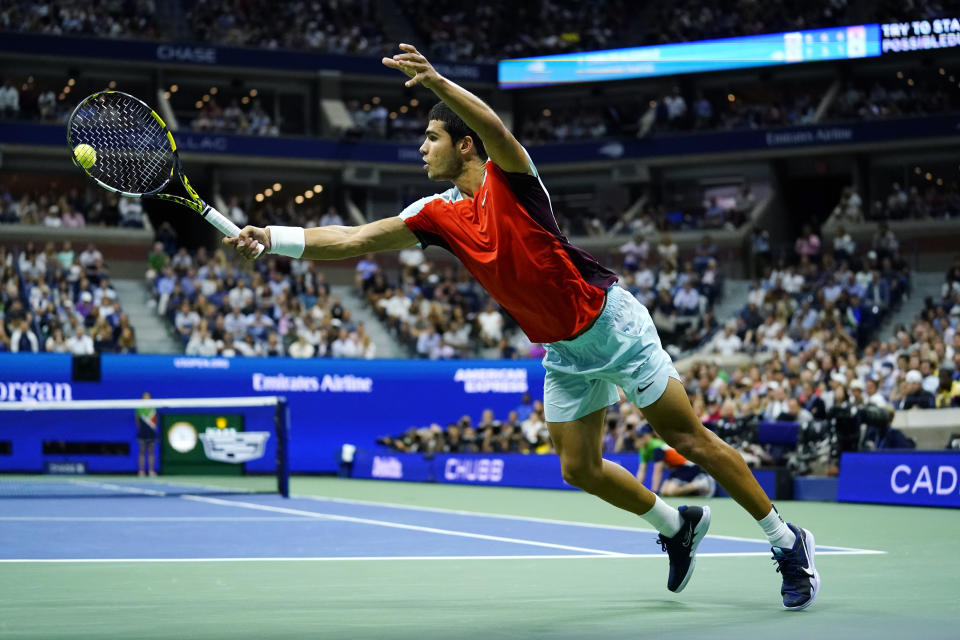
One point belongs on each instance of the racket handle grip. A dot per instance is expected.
(226, 226)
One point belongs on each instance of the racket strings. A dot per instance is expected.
(133, 152)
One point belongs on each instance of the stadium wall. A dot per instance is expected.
(332, 402)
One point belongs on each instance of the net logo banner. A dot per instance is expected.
(230, 445)
(921, 478)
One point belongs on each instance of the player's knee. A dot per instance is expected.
(580, 473)
(692, 446)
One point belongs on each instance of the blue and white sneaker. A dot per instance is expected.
(800, 578)
(682, 548)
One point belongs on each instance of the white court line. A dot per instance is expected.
(384, 558)
(591, 525)
(119, 487)
(154, 519)
(396, 525)
(151, 492)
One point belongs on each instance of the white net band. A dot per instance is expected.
(155, 403)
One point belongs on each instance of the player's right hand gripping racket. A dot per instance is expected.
(130, 151)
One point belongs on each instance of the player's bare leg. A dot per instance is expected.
(578, 443)
(793, 547)
(673, 418)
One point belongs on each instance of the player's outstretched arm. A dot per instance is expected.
(504, 149)
(324, 243)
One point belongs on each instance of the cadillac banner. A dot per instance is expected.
(922, 478)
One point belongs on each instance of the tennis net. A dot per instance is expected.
(144, 447)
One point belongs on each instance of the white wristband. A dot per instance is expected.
(287, 241)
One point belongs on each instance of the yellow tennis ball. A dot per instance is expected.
(85, 155)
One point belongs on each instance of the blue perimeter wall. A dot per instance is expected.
(332, 402)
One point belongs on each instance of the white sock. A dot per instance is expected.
(664, 518)
(777, 530)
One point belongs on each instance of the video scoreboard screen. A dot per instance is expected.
(812, 45)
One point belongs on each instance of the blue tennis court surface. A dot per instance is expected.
(199, 525)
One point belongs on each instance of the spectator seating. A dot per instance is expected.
(56, 299)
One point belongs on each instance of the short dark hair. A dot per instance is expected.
(456, 127)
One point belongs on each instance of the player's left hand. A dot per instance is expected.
(414, 64)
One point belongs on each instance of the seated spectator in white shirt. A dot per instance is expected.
(246, 347)
(235, 323)
(273, 347)
(301, 348)
(259, 324)
(457, 337)
(344, 346)
(490, 322)
(777, 403)
(185, 320)
(428, 343)
(331, 217)
(396, 305)
(411, 256)
(23, 339)
(226, 346)
(644, 276)
(131, 212)
(9, 100)
(687, 299)
(81, 344)
(73, 219)
(52, 217)
(727, 342)
(236, 213)
(56, 343)
(201, 344)
(781, 343)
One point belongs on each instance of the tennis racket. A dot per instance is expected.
(130, 151)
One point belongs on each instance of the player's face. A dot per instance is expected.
(440, 156)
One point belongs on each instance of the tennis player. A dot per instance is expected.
(498, 221)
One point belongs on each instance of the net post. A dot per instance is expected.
(282, 424)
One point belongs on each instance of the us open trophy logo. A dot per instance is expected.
(230, 445)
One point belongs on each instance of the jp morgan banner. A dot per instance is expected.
(922, 478)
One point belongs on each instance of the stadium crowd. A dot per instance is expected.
(450, 28)
(840, 397)
(704, 19)
(394, 119)
(524, 430)
(57, 300)
(73, 208)
(134, 19)
(234, 118)
(276, 308)
(902, 94)
(438, 313)
(351, 27)
(929, 197)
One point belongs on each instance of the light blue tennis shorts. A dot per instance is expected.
(622, 349)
